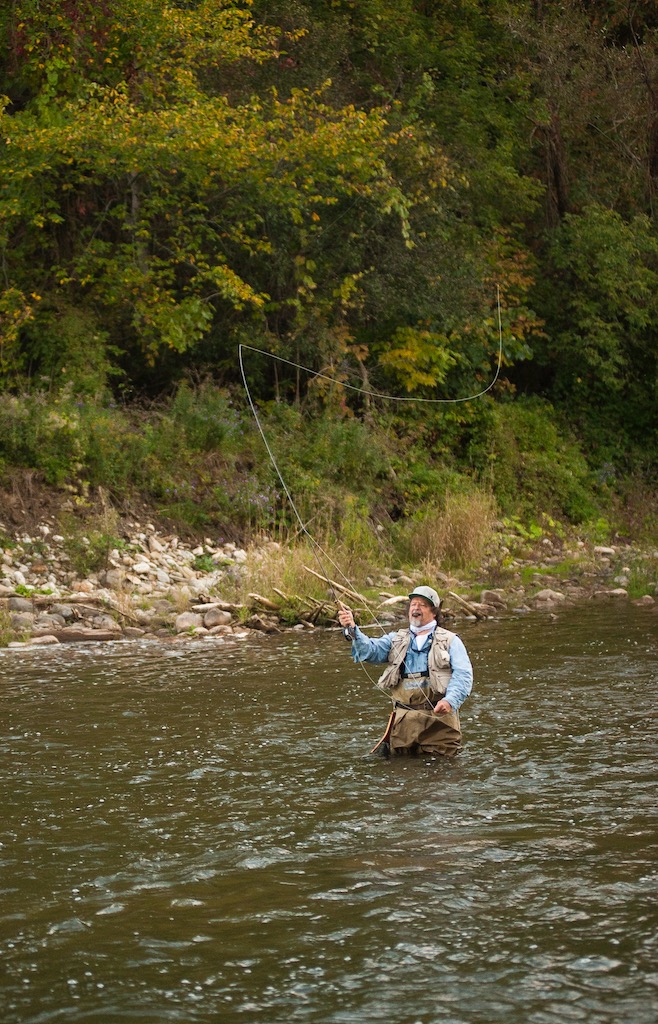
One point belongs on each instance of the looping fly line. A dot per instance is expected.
(377, 394)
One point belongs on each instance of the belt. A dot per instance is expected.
(415, 675)
(426, 708)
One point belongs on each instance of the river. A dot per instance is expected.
(192, 832)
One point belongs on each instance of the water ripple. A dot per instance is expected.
(193, 833)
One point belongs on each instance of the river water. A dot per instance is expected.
(192, 832)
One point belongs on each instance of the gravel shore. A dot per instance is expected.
(155, 585)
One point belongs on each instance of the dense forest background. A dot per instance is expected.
(399, 197)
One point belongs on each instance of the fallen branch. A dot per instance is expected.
(338, 586)
(265, 602)
(469, 607)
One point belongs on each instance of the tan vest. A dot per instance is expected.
(406, 691)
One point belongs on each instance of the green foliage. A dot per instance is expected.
(350, 186)
(7, 631)
(208, 419)
(204, 563)
(611, 272)
(89, 539)
(643, 577)
(535, 466)
(41, 434)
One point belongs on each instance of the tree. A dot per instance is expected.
(147, 197)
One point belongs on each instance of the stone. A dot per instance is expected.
(44, 640)
(133, 632)
(114, 578)
(187, 621)
(217, 617)
(105, 622)
(20, 604)
(605, 552)
(553, 596)
(48, 620)
(646, 599)
(494, 597)
(64, 610)
(22, 620)
(263, 624)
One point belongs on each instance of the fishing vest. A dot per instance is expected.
(412, 691)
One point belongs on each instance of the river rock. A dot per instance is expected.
(646, 599)
(22, 620)
(263, 624)
(43, 640)
(114, 578)
(217, 617)
(494, 597)
(63, 610)
(49, 620)
(104, 622)
(550, 595)
(20, 604)
(186, 621)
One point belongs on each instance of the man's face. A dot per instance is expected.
(420, 612)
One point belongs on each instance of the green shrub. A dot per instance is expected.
(536, 466)
(89, 540)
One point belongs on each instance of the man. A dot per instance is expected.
(428, 677)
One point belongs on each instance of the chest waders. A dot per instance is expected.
(415, 728)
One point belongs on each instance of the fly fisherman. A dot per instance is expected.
(428, 677)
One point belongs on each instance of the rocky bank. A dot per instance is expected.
(157, 586)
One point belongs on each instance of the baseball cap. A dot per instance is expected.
(429, 595)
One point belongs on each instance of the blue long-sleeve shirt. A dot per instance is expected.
(376, 649)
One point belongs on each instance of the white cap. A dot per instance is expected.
(429, 595)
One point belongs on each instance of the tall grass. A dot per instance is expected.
(454, 535)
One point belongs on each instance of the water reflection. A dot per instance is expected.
(192, 833)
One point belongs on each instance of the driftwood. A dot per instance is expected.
(84, 602)
(402, 599)
(265, 602)
(337, 586)
(223, 606)
(469, 607)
